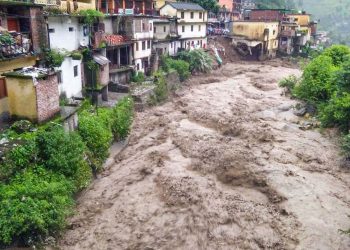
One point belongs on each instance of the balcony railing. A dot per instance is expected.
(39, 2)
(14, 44)
(288, 33)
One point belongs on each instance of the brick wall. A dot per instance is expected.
(47, 98)
(104, 74)
(38, 28)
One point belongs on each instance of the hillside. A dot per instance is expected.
(334, 16)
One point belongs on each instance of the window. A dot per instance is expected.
(137, 46)
(191, 27)
(138, 66)
(75, 68)
(143, 45)
(274, 32)
(148, 44)
(150, 26)
(183, 28)
(51, 30)
(171, 44)
(3, 90)
(154, 29)
(182, 15)
(199, 27)
(200, 15)
(70, 29)
(59, 77)
(143, 26)
(164, 28)
(192, 15)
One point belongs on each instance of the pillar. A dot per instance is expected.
(118, 58)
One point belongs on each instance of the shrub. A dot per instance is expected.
(63, 153)
(342, 76)
(138, 77)
(54, 58)
(34, 205)
(96, 135)
(182, 67)
(198, 59)
(345, 146)
(18, 158)
(289, 82)
(316, 83)
(161, 89)
(89, 16)
(337, 111)
(338, 53)
(122, 118)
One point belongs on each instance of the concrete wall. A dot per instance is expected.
(199, 30)
(194, 43)
(108, 25)
(255, 30)
(104, 74)
(142, 53)
(161, 3)
(302, 20)
(71, 85)
(62, 38)
(82, 5)
(4, 108)
(227, 3)
(38, 28)
(17, 63)
(143, 28)
(161, 30)
(22, 97)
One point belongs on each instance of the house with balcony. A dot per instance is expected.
(67, 35)
(126, 7)
(23, 33)
(165, 36)
(192, 23)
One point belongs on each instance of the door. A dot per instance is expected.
(12, 24)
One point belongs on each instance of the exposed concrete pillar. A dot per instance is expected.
(118, 58)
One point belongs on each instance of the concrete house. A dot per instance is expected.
(70, 6)
(256, 38)
(126, 7)
(66, 34)
(192, 23)
(22, 35)
(166, 36)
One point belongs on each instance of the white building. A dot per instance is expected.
(66, 34)
(141, 29)
(166, 36)
(192, 23)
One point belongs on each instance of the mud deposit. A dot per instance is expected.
(223, 165)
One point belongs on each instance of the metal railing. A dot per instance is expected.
(39, 2)
(14, 44)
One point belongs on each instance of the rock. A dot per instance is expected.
(300, 112)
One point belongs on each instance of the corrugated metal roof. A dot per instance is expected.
(186, 6)
(100, 59)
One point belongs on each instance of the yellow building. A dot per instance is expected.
(257, 38)
(32, 94)
(303, 20)
(70, 6)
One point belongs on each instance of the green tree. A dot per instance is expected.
(338, 53)
(209, 5)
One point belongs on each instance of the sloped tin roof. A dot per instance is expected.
(185, 6)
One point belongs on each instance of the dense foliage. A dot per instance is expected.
(46, 166)
(54, 58)
(209, 5)
(180, 66)
(199, 60)
(275, 4)
(138, 77)
(338, 53)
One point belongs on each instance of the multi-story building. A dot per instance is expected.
(160, 3)
(192, 23)
(128, 7)
(70, 6)
(23, 33)
(256, 38)
(66, 35)
(166, 36)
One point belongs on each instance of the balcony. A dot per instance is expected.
(288, 33)
(37, 2)
(14, 44)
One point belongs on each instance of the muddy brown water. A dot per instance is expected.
(223, 165)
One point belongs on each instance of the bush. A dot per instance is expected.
(63, 153)
(34, 205)
(316, 83)
(138, 77)
(342, 76)
(198, 59)
(182, 67)
(338, 53)
(337, 111)
(54, 58)
(122, 118)
(345, 146)
(18, 158)
(97, 136)
(161, 89)
(289, 83)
